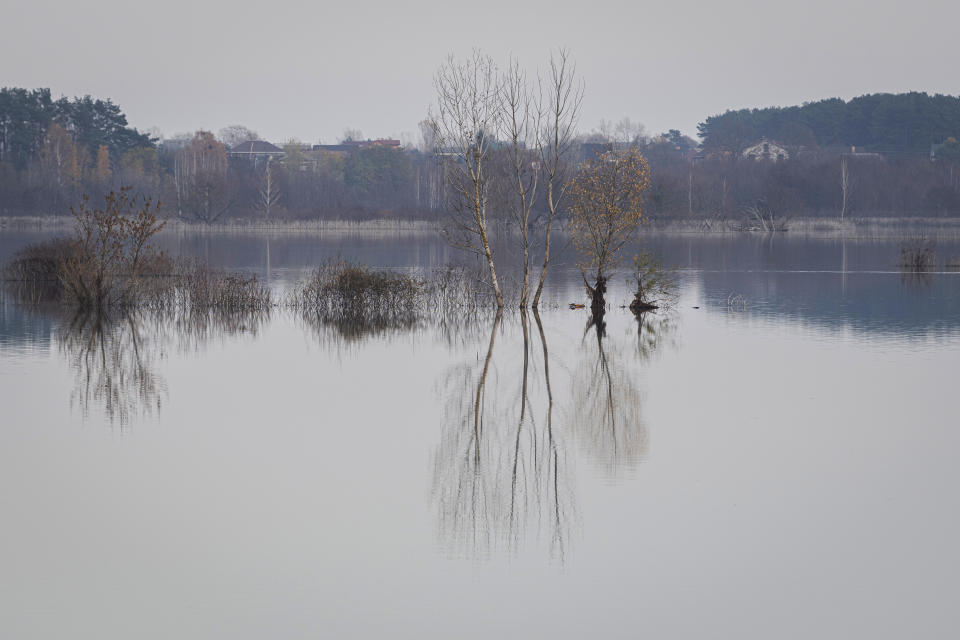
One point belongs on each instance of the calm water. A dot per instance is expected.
(781, 467)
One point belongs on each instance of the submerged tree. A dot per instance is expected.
(606, 207)
(501, 138)
(520, 117)
(467, 115)
(561, 95)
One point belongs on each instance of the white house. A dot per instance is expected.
(766, 150)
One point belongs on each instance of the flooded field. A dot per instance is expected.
(772, 456)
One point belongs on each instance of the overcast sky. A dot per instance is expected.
(311, 69)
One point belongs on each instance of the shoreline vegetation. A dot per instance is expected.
(107, 268)
(880, 227)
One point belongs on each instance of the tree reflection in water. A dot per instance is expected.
(115, 357)
(500, 469)
(113, 361)
(503, 471)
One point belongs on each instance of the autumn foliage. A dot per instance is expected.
(606, 207)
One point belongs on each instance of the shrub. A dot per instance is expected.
(356, 292)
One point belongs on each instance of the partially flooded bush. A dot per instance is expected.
(35, 270)
(655, 284)
(109, 248)
(109, 264)
(101, 264)
(40, 262)
(917, 254)
(360, 299)
(952, 264)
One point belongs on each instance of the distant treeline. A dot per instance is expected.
(882, 122)
(54, 151)
(808, 183)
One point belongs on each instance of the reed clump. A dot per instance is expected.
(200, 286)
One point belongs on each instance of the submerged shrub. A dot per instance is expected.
(350, 291)
(110, 245)
(35, 270)
(917, 254)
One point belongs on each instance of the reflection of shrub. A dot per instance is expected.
(916, 255)
(953, 264)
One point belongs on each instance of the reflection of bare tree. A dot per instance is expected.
(113, 362)
(114, 356)
(607, 407)
(499, 470)
(559, 510)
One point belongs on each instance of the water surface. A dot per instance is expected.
(773, 457)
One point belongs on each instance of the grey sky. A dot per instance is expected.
(309, 70)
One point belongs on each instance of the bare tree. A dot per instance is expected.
(236, 134)
(268, 195)
(521, 118)
(561, 95)
(846, 185)
(351, 135)
(467, 115)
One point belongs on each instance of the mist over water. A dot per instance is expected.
(772, 456)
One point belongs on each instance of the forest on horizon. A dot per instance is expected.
(898, 155)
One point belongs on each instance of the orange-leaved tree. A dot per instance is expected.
(606, 208)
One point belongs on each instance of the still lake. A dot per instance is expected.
(775, 456)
